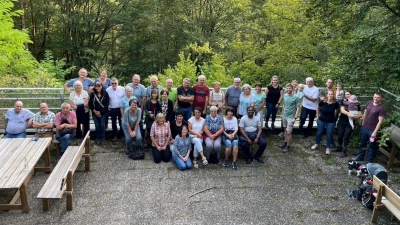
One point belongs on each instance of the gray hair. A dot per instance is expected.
(213, 108)
(83, 69)
(309, 79)
(127, 88)
(65, 104)
(78, 82)
(246, 86)
(154, 76)
(136, 75)
(236, 79)
(201, 76)
(186, 79)
(114, 79)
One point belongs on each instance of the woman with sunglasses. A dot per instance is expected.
(98, 104)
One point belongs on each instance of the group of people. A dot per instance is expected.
(176, 119)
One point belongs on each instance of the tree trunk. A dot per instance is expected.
(21, 2)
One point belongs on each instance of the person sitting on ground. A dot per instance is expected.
(175, 127)
(230, 137)
(18, 120)
(66, 124)
(43, 121)
(251, 133)
(353, 107)
(131, 121)
(160, 134)
(196, 124)
(182, 149)
(213, 128)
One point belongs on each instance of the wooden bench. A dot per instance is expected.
(3, 125)
(395, 139)
(385, 197)
(60, 180)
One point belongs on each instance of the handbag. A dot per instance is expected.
(136, 153)
(231, 132)
(66, 130)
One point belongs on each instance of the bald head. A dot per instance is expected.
(44, 109)
(18, 106)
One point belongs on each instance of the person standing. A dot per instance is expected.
(79, 102)
(372, 119)
(274, 93)
(246, 99)
(18, 120)
(260, 101)
(251, 133)
(290, 110)
(201, 95)
(103, 79)
(154, 86)
(185, 99)
(138, 90)
(86, 82)
(232, 95)
(309, 106)
(217, 97)
(115, 93)
(329, 87)
(172, 93)
(98, 104)
(43, 121)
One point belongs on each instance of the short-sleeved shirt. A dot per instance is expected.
(125, 102)
(327, 111)
(87, 82)
(214, 124)
(160, 133)
(200, 95)
(130, 118)
(197, 126)
(217, 98)
(245, 102)
(150, 88)
(343, 118)
(106, 84)
(290, 104)
(50, 117)
(232, 95)
(139, 92)
(71, 117)
(17, 122)
(182, 146)
(183, 92)
(372, 115)
(115, 96)
(324, 91)
(250, 125)
(79, 100)
(259, 98)
(173, 95)
(231, 124)
(314, 93)
(175, 128)
(273, 94)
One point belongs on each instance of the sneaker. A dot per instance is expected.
(333, 144)
(266, 126)
(234, 166)
(226, 163)
(328, 151)
(286, 149)
(358, 158)
(314, 147)
(195, 165)
(337, 149)
(259, 160)
(114, 139)
(305, 136)
(205, 162)
(272, 126)
(282, 145)
(249, 160)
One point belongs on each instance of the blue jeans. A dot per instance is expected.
(100, 124)
(365, 136)
(187, 112)
(181, 165)
(21, 135)
(303, 116)
(65, 141)
(198, 147)
(128, 138)
(321, 126)
(230, 143)
(271, 110)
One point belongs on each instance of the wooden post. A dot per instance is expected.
(46, 204)
(87, 152)
(392, 155)
(70, 191)
(47, 163)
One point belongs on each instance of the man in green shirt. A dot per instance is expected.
(290, 110)
(172, 93)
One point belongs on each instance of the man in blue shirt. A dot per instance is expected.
(138, 90)
(86, 82)
(18, 120)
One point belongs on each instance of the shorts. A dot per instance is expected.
(287, 122)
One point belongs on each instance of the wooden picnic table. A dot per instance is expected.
(18, 158)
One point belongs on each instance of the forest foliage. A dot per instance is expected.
(354, 42)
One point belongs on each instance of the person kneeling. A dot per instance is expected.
(182, 149)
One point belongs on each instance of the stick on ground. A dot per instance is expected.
(202, 191)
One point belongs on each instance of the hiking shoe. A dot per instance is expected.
(272, 126)
(286, 149)
(328, 151)
(282, 145)
(226, 163)
(249, 160)
(259, 160)
(234, 166)
(114, 139)
(343, 153)
(266, 126)
(358, 158)
(338, 149)
(314, 147)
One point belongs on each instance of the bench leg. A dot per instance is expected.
(46, 204)
(392, 156)
(24, 198)
(87, 154)
(69, 191)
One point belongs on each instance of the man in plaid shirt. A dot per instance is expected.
(43, 121)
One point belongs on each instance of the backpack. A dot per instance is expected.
(136, 153)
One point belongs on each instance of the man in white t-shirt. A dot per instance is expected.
(309, 106)
(116, 93)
